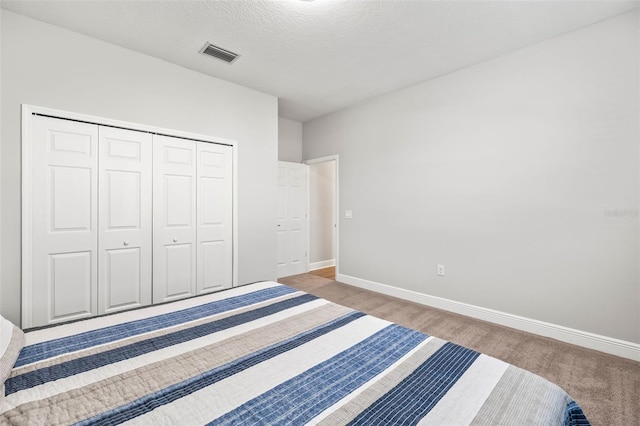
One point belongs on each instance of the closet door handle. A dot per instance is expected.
(175, 240)
(126, 243)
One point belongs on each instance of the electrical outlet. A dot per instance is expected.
(441, 270)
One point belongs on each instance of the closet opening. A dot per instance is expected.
(119, 215)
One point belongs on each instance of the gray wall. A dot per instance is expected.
(519, 174)
(289, 140)
(322, 211)
(48, 66)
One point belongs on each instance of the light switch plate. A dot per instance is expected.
(348, 214)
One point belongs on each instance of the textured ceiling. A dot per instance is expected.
(321, 56)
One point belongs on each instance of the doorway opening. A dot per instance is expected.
(323, 216)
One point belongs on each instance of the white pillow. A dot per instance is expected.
(11, 341)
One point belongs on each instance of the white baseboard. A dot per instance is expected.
(324, 264)
(585, 339)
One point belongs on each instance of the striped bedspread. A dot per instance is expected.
(266, 354)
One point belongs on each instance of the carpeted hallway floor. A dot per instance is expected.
(606, 387)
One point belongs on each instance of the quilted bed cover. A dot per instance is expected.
(266, 354)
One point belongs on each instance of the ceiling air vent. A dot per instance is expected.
(219, 52)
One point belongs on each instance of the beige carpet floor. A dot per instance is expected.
(607, 387)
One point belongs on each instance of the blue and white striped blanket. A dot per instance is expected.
(266, 354)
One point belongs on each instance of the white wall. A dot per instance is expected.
(49, 66)
(519, 174)
(322, 211)
(289, 140)
(0, 157)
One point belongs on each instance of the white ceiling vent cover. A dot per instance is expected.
(219, 52)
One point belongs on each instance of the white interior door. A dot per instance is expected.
(215, 216)
(174, 218)
(64, 229)
(292, 219)
(124, 242)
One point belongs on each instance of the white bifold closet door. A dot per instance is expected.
(64, 221)
(125, 222)
(192, 218)
(120, 218)
(91, 220)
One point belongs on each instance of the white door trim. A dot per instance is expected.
(337, 204)
(27, 214)
(28, 112)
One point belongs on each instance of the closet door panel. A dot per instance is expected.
(215, 215)
(179, 207)
(64, 227)
(174, 218)
(125, 240)
(68, 277)
(123, 268)
(71, 198)
(211, 266)
(178, 270)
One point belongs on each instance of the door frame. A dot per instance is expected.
(28, 112)
(336, 243)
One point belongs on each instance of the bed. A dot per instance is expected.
(265, 354)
